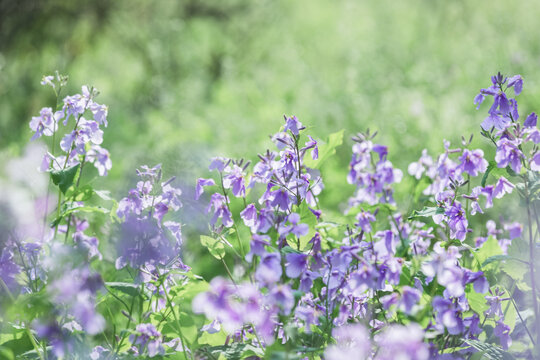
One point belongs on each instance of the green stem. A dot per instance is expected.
(182, 338)
(531, 267)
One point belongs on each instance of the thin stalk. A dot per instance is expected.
(531, 267)
(242, 252)
(127, 326)
(519, 314)
(182, 338)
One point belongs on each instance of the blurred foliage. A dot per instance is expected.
(187, 80)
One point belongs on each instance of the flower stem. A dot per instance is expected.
(531, 266)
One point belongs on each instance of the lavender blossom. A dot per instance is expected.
(147, 337)
(473, 162)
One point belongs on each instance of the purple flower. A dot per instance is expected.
(312, 144)
(364, 220)
(295, 265)
(235, 180)
(48, 80)
(478, 280)
(514, 230)
(533, 135)
(97, 353)
(57, 337)
(447, 315)
(269, 270)
(457, 221)
(535, 162)
(143, 243)
(199, 189)
(402, 342)
(516, 82)
(416, 169)
(503, 332)
(281, 199)
(508, 154)
(295, 227)
(478, 100)
(221, 210)
(257, 246)
(250, 217)
(148, 337)
(293, 125)
(352, 342)
(8, 269)
(46, 123)
(494, 301)
(84, 310)
(409, 298)
(502, 188)
(496, 121)
(100, 158)
(218, 163)
(473, 162)
(282, 296)
(100, 113)
(530, 121)
(213, 327)
(90, 244)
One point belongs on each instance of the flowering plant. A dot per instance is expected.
(447, 280)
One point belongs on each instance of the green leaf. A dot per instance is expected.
(75, 209)
(326, 150)
(80, 194)
(489, 249)
(236, 351)
(6, 353)
(427, 211)
(64, 178)
(126, 288)
(477, 301)
(104, 194)
(489, 351)
(214, 246)
(492, 165)
(422, 184)
(495, 258)
(19, 345)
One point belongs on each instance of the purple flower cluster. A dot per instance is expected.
(370, 283)
(83, 142)
(145, 239)
(371, 172)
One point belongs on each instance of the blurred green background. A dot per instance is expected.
(187, 80)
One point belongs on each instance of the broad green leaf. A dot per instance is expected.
(6, 353)
(75, 209)
(492, 165)
(477, 301)
(496, 258)
(428, 211)
(307, 217)
(104, 194)
(326, 150)
(235, 351)
(214, 246)
(19, 345)
(489, 351)
(64, 178)
(489, 249)
(388, 208)
(422, 184)
(126, 288)
(80, 194)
